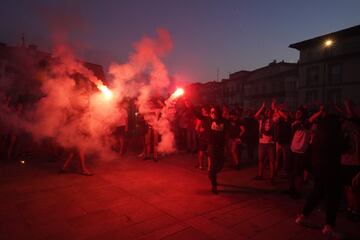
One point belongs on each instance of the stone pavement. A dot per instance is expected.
(134, 199)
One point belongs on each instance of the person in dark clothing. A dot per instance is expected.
(282, 140)
(200, 128)
(299, 152)
(266, 141)
(251, 136)
(215, 130)
(350, 160)
(327, 147)
(236, 132)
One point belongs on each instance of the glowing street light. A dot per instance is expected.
(327, 48)
(328, 43)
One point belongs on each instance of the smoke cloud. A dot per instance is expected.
(76, 114)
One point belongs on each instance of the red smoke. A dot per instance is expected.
(78, 110)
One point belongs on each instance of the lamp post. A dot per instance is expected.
(328, 43)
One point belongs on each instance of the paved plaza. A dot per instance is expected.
(130, 198)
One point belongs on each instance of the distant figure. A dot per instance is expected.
(266, 142)
(236, 133)
(123, 128)
(216, 128)
(200, 128)
(13, 150)
(80, 154)
(4, 129)
(187, 127)
(251, 136)
(282, 140)
(151, 135)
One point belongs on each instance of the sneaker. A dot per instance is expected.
(257, 177)
(330, 233)
(304, 221)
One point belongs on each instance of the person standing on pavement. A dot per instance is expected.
(282, 140)
(216, 130)
(123, 128)
(299, 152)
(266, 141)
(236, 133)
(327, 147)
(202, 138)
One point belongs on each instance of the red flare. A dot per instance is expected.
(178, 92)
(105, 90)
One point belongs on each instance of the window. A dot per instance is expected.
(274, 86)
(334, 96)
(282, 85)
(335, 73)
(312, 76)
(311, 96)
(264, 89)
(291, 85)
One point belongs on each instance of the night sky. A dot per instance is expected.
(207, 34)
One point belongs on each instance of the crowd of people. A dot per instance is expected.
(309, 144)
(318, 144)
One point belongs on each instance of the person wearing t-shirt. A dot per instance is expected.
(215, 130)
(236, 133)
(200, 128)
(327, 147)
(283, 136)
(266, 141)
(299, 152)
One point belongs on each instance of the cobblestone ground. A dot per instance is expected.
(129, 198)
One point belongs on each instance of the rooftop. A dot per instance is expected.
(342, 34)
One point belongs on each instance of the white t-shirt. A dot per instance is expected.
(302, 136)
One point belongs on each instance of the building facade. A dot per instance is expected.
(327, 72)
(268, 83)
(329, 67)
(233, 88)
(248, 89)
(209, 93)
(21, 69)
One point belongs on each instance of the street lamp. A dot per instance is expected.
(328, 43)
